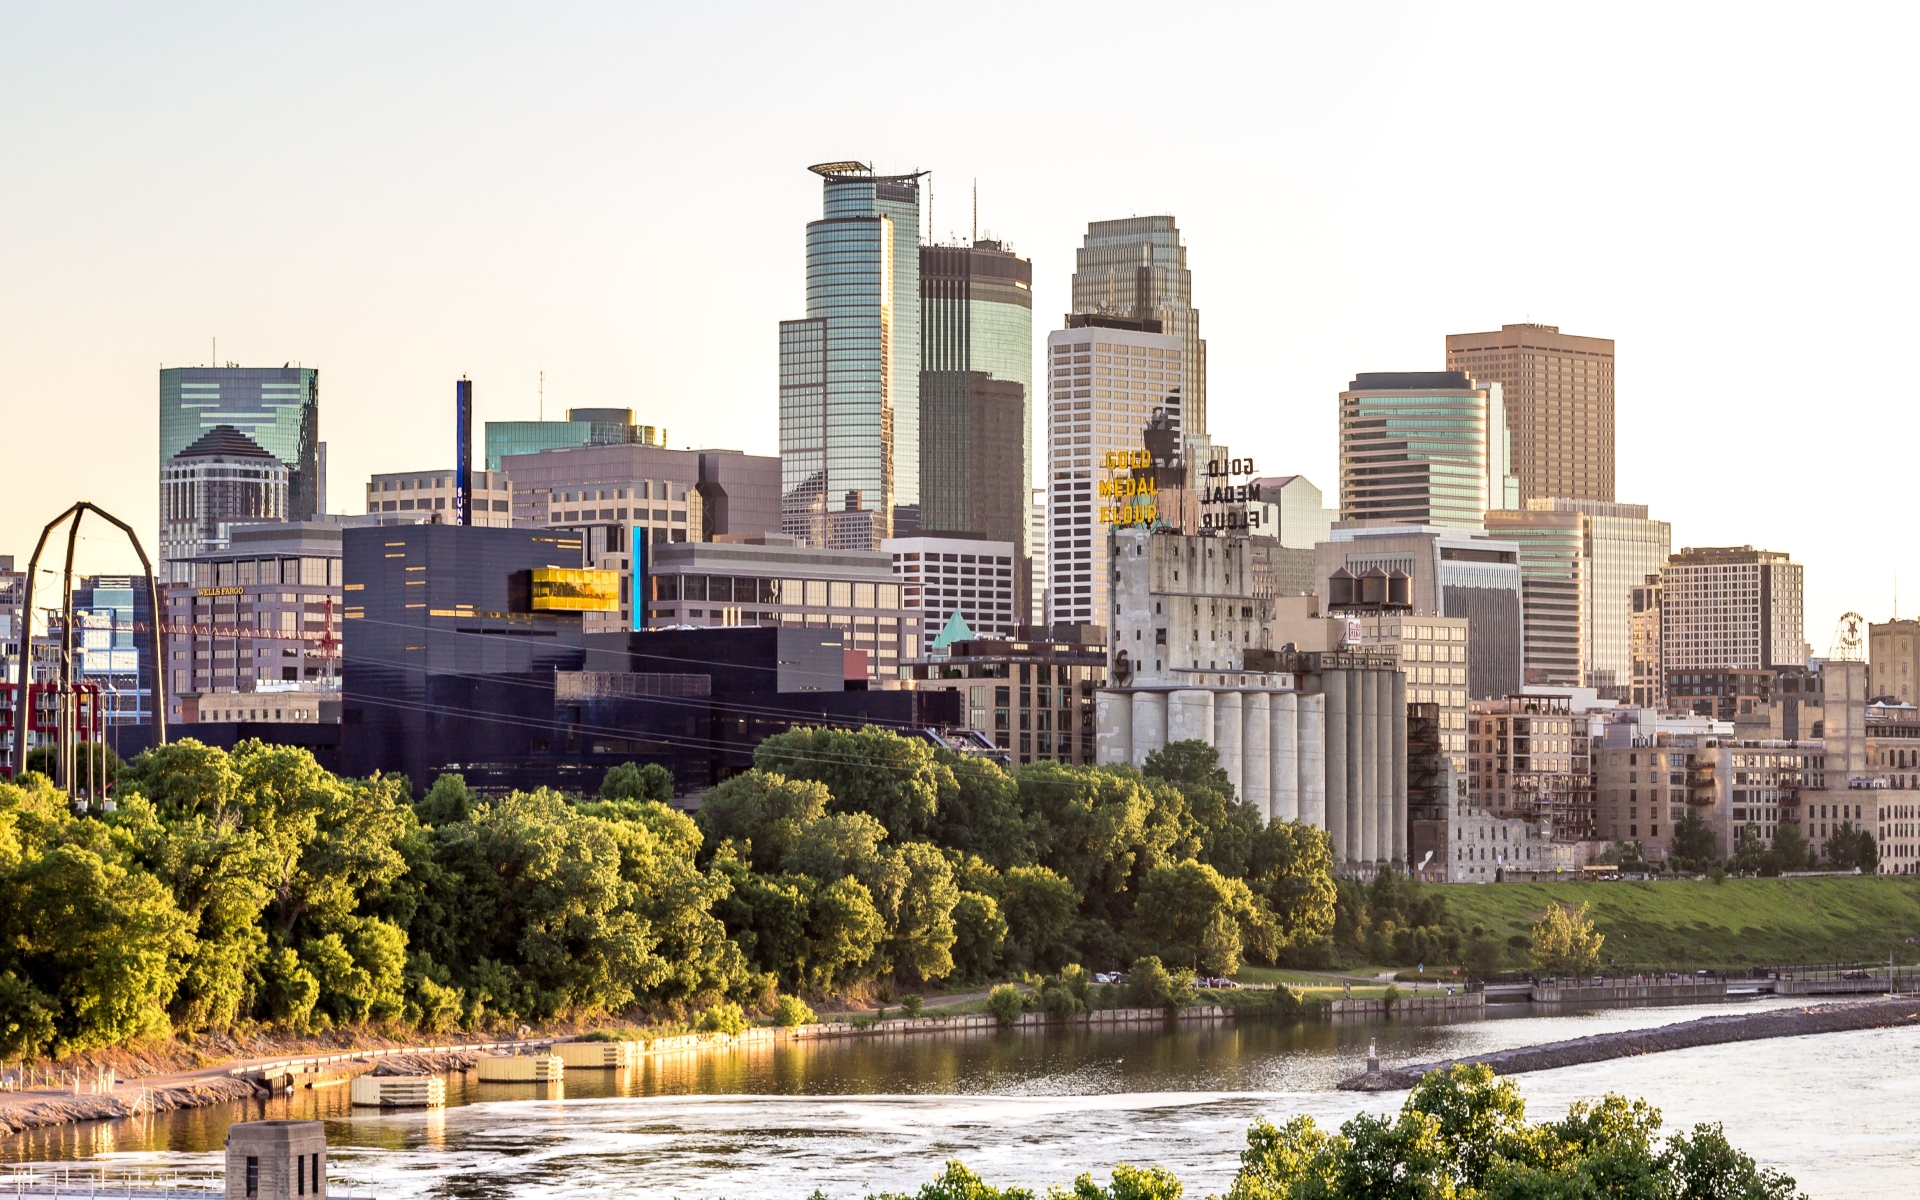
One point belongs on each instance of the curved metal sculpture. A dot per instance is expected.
(22, 713)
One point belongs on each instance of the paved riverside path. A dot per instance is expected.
(1705, 1031)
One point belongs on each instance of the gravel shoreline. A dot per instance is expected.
(1705, 1031)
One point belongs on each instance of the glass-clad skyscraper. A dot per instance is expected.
(976, 391)
(1137, 268)
(1424, 448)
(277, 407)
(850, 371)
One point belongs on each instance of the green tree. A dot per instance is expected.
(919, 914)
(1102, 830)
(1151, 985)
(1040, 906)
(92, 943)
(844, 933)
(1191, 765)
(447, 801)
(979, 932)
(1851, 848)
(1564, 942)
(631, 781)
(541, 921)
(893, 779)
(1291, 869)
(1191, 913)
(1483, 956)
(1790, 849)
(982, 815)
(1130, 1183)
(1693, 842)
(841, 844)
(764, 810)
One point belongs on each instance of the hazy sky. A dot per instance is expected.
(616, 195)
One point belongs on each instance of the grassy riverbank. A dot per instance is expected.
(1740, 922)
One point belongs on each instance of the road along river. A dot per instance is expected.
(1841, 1112)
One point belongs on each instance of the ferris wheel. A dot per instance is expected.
(1849, 639)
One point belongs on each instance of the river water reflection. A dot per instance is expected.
(848, 1117)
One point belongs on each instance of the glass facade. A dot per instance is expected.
(976, 391)
(277, 407)
(1415, 449)
(1137, 268)
(850, 372)
(583, 427)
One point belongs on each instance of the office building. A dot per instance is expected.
(1037, 545)
(1623, 546)
(772, 581)
(944, 575)
(614, 495)
(1731, 608)
(400, 497)
(1559, 405)
(1423, 448)
(1135, 269)
(278, 409)
(1032, 697)
(1450, 573)
(1105, 384)
(222, 479)
(479, 664)
(262, 614)
(976, 393)
(1893, 660)
(583, 427)
(13, 609)
(1648, 674)
(1553, 591)
(850, 370)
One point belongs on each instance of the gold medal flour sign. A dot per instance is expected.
(1124, 499)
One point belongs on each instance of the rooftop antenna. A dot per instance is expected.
(976, 208)
(543, 395)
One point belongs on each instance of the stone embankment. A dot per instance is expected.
(1706, 1031)
(21, 1111)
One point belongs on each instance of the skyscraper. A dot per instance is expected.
(976, 393)
(1423, 448)
(278, 408)
(1559, 394)
(1107, 377)
(224, 479)
(850, 370)
(1731, 608)
(1137, 268)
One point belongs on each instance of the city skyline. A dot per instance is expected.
(374, 271)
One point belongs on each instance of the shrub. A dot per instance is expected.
(791, 1012)
(724, 1017)
(911, 1004)
(1006, 1004)
(601, 1035)
(1151, 985)
(1392, 996)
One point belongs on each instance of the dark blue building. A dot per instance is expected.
(464, 651)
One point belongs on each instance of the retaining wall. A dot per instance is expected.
(1610, 991)
(1460, 1004)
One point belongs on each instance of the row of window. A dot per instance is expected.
(809, 593)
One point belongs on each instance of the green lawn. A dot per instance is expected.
(1740, 922)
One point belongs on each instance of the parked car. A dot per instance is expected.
(1856, 975)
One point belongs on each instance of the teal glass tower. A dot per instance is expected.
(850, 370)
(277, 407)
(976, 391)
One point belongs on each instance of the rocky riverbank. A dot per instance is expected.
(1706, 1031)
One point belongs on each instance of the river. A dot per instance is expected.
(1840, 1112)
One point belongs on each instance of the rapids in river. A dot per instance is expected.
(848, 1117)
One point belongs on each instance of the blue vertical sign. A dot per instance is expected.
(463, 453)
